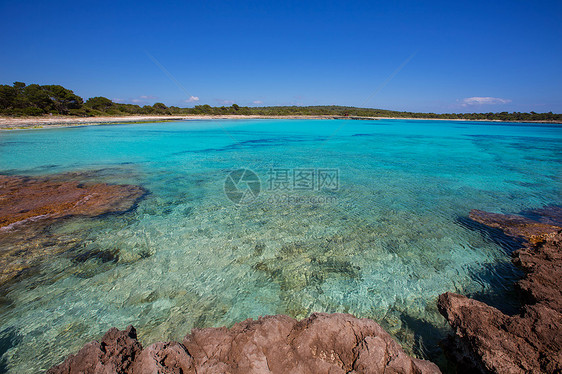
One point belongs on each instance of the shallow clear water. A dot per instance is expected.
(383, 245)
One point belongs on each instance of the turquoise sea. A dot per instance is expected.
(363, 217)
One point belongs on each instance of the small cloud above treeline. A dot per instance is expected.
(484, 100)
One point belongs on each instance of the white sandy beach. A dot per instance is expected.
(13, 123)
(7, 123)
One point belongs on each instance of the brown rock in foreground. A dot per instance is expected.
(531, 342)
(322, 343)
(29, 205)
(115, 353)
(494, 342)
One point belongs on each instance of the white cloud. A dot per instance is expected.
(192, 99)
(137, 101)
(257, 102)
(225, 102)
(116, 100)
(484, 101)
(147, 97)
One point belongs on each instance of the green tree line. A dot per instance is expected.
(35, 100)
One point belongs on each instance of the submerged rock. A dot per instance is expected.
(531, 342)
(548, 222)
(322, 343)
(26, 200)
(29, 205)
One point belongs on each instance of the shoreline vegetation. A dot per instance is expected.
(32, 106)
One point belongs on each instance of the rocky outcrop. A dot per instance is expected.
(531, 342)
(322, 343)
(29, 205)
(494, 342)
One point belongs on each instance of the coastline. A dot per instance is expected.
(20, 123)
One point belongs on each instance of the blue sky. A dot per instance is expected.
(468, 56)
